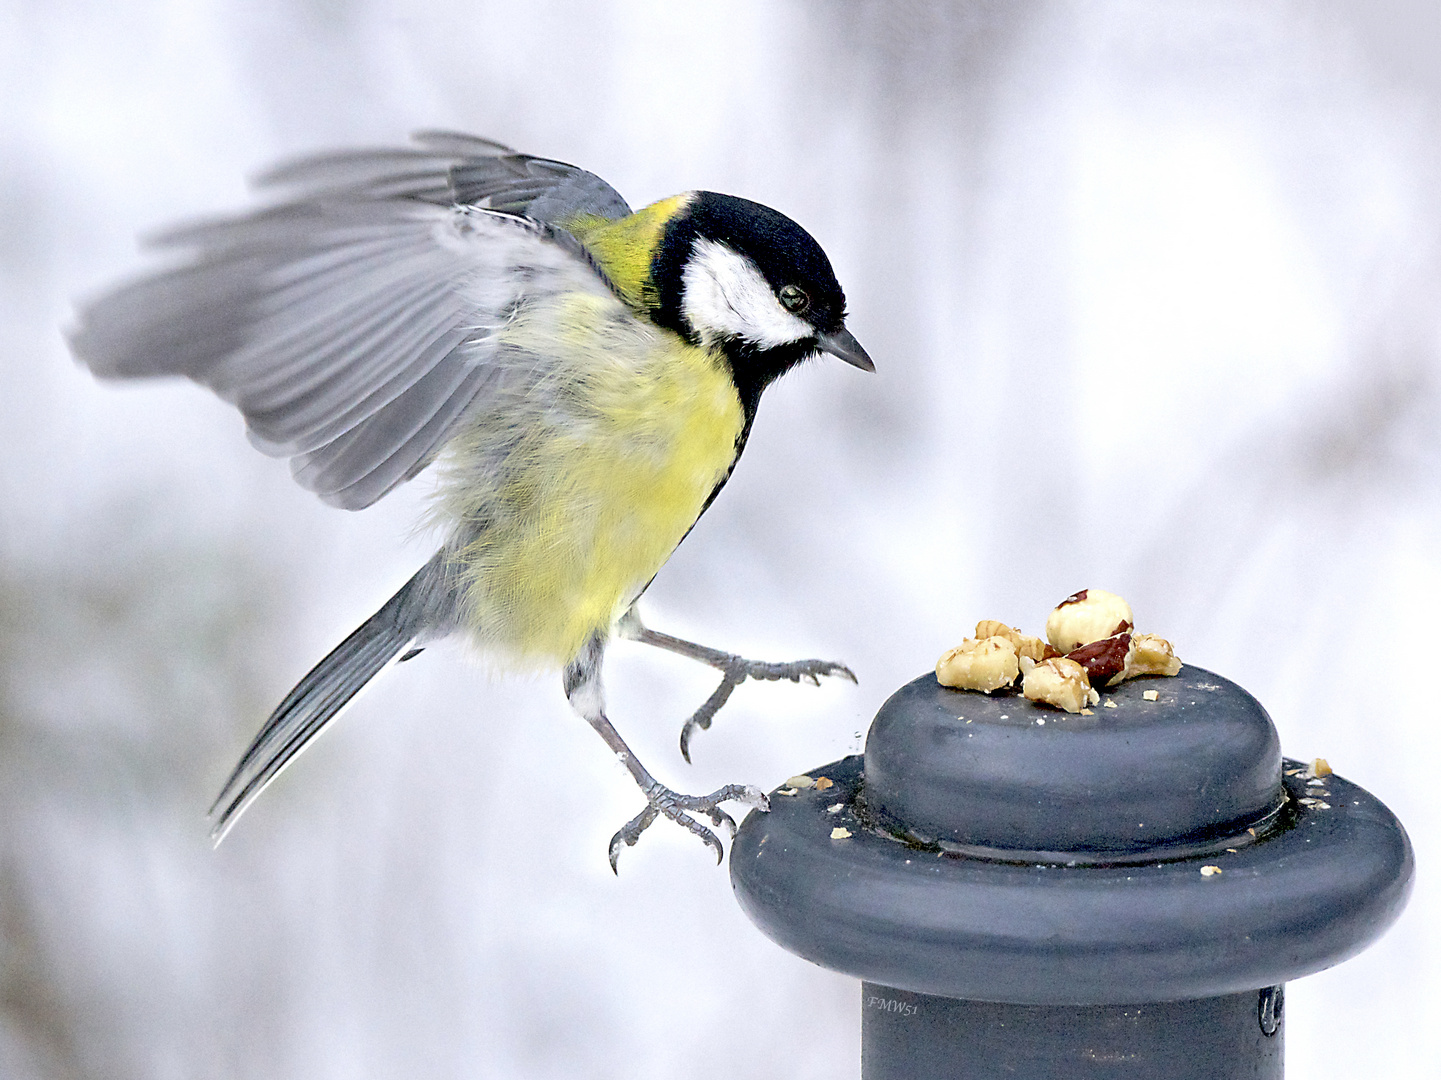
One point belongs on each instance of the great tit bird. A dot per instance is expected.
(582, 377)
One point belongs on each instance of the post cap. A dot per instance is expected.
(955, 864)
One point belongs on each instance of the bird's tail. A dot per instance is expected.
(317, 700)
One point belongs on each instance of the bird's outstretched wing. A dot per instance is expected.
(447, 169)
(355, 319)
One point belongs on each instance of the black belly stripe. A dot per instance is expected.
(749, 402)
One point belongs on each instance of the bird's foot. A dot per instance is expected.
(736, 670)
(661, 801)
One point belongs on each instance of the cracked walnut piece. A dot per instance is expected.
(1148, 655)
(985, 665)
(1059, 682)
(1025, 645)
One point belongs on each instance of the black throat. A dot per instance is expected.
(754, 369)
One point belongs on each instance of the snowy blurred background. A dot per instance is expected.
(1153, 294)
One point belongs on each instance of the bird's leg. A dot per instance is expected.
(583, 691)
(734, 671)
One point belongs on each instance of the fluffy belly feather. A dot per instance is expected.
(562, 511)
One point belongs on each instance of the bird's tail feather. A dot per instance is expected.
(317, 700)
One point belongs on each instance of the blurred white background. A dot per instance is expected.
(1153, 294)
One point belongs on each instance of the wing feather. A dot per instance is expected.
(369, 461)
(353, 323)
(447, 168)
(355, 378)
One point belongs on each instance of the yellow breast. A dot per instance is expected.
(567, 499)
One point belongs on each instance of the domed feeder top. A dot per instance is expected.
(990, 848)
(1200, 762)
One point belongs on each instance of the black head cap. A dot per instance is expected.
(789, 259)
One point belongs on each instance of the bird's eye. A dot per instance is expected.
(794, 299)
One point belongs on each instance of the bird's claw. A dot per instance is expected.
(795, 671)
(736, 670)
(663, 802)
(701, 719)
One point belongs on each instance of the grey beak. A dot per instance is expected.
(844, 345)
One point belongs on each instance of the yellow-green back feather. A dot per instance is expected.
(624, 247)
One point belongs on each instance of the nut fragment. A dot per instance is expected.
(1151, 695)
(994, 628)
(1091, 628)
(840, 832)
(800, 781)
(1025, 645)
(1103, 659)
(1210, 871)
(1087, 616)
(1148, 655)
(824, 782)
(1318, 768)
(1059, 682)
(986, 665)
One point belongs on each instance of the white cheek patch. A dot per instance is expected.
(724, 295)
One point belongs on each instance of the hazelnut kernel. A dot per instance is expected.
(1087, 616)
(1103, 659)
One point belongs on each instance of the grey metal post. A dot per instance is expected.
(1027, 894)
